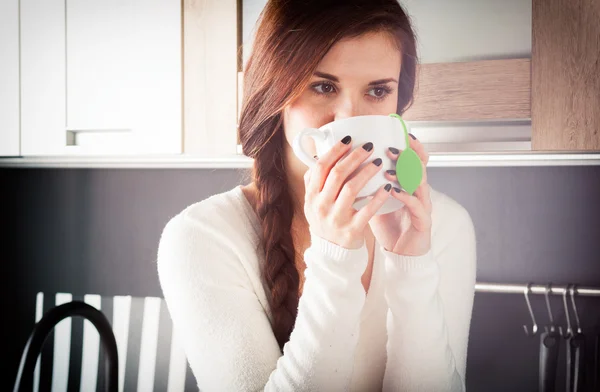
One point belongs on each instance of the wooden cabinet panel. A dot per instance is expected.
(566, 75)
(478, 90)
(210, 33)
(9, 78)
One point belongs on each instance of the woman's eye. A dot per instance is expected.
(379, 92)
(324, 88)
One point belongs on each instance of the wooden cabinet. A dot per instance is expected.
(565, 90)
(210, 34)
(475, 90)
(101, 77)
(9, 78)
(558, 88)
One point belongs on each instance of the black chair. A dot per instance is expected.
(47, 323)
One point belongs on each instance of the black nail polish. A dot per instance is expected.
(391, 172)
(368, 146)
(413, 136)
(347, 139)
(377, 162)
(394, 150)
(397, 190)
(388, 187)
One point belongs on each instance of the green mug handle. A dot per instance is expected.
(409, 168)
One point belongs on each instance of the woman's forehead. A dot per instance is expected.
(367, 56)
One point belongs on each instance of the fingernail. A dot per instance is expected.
(397, 190)
(347, 139)
(388, 187)
(377, 162)
(391, 172)
(394, 150)
(413, 136)
(368, 146)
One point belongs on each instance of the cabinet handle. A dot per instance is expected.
(72, 134)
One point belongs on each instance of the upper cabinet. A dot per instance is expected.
(134, 78)
(565, 90)
(210, 39)
(101, 77)
(9, 78)
(474, 64)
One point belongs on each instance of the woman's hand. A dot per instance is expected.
(329, 196)
(408, 230)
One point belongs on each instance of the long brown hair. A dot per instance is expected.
(291, 39)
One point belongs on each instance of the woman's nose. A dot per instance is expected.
(347, 108)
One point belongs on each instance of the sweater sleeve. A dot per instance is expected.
(430, 301)
(226, 332)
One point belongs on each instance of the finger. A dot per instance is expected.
(393, 153)
(324, 165)
(420, 217)
(364, 215)
(416, 145)
(390, 175)
(350, 189)
(344, 168)
(423, 193)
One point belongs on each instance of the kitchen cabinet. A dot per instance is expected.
(101, 77)
(210, 35)
(565, 88)
(472, 90)
(9, 78)
(498, 82)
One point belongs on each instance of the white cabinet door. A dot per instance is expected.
(9, 77)
(101, 77)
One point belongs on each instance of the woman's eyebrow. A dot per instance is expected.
(327, 76)
(336, 79)
(382, 81)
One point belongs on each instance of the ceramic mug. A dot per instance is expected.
(383, 131)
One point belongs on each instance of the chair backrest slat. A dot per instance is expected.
(62, 348)
(151, 357)
(91, 349)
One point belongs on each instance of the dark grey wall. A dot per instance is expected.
(96, 231)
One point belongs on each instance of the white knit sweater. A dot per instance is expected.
(408, 333)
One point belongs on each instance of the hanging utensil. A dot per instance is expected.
(575, 351)
(534, 328)
(568, 335)
(549, 347)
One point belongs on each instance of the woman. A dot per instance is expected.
(281, 285)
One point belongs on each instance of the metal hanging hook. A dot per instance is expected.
(534, 328)
(577, 324)
(566, 305)
(550, 316)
